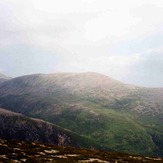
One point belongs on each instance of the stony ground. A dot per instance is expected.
(20, 152)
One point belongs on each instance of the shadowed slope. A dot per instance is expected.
(17, 126)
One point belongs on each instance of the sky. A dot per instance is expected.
(121, 39)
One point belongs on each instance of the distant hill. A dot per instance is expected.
(3, 78)
(115, 115)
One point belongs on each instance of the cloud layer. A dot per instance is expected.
(122, 39)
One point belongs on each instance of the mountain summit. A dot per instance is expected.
(3, 77)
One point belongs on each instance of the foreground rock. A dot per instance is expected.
(19, 152)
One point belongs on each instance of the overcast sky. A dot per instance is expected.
(120, 38)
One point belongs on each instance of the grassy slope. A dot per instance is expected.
(109, 128)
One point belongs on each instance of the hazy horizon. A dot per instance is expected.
(120, 39)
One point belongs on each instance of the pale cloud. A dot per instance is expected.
(77, 22)
(147, 69)
(115, 66)
(144, 69)
(19, 60)
(126, 23)
(106, 36)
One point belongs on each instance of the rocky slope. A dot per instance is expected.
(17, 126)
(19, 152)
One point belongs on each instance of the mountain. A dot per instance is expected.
(19, 151)
(115, 115)
(64, 88)
(17, 126)
(3, 78)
